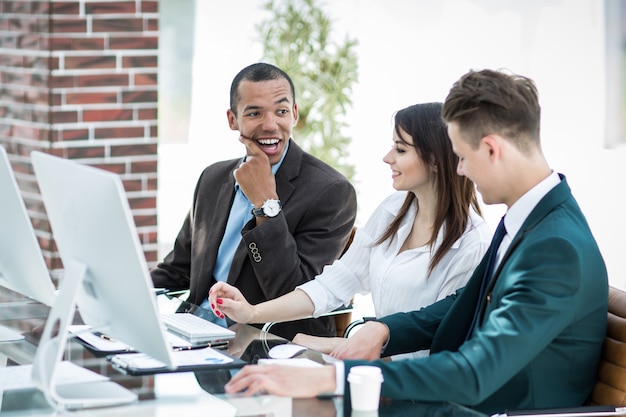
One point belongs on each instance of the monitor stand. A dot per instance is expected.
(7, 334)
(50, 354)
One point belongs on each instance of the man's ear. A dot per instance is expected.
(295, 114)
(232, 120)
(492, 144)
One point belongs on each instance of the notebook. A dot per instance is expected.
(185, 360)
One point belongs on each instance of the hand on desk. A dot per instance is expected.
(288, 381)
(226, 299)
(318, 343)
(366, 344)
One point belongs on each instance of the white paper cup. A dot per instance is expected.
(365, 384)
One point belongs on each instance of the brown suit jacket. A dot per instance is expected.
(319, 209)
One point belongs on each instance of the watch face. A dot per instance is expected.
(271, 208)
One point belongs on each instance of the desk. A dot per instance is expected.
(177, 394)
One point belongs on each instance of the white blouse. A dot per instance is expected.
(398, 282)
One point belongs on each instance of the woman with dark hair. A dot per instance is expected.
(421, 244)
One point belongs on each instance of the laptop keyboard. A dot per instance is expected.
(194, 327)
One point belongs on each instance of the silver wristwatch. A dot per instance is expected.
(270, 208)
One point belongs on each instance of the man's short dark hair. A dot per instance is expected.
(255, 73)
(487, 101)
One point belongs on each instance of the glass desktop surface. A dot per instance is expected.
(250, 344)
(186, 393)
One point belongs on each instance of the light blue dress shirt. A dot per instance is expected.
(240, 214)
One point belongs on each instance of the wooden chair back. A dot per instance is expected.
(610, 388)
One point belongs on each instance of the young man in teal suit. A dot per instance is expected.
(531, 336)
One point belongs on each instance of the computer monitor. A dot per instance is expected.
(22, 266)
(106, 274)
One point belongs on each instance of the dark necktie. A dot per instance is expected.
(491, 262)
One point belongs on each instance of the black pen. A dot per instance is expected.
(195, 347)
(161, 291)
(105, 337)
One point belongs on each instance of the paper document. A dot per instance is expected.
(19, 377)
(103, 343)
(179, 394)
(257, 405)
(98, 341)
(302, 362)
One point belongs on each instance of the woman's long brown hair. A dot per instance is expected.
(456, 194)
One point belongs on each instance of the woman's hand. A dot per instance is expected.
(318, 343)
(228, 300)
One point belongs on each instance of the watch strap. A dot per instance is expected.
(260, 211)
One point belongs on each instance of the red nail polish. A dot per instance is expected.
(213, 306)
(219, 301)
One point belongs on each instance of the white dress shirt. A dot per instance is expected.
(398, 282)
(516, 214)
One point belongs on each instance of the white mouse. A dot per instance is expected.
(285, 351)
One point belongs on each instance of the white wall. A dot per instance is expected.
(412, 51)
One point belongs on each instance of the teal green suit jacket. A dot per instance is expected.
(543, 322)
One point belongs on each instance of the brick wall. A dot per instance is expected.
(78, 79)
